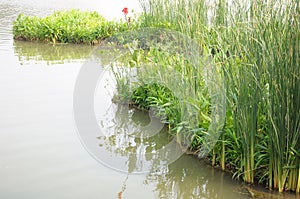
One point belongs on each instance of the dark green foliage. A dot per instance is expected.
(158, 97)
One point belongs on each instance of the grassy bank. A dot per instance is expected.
(72, 26)
(255, 48)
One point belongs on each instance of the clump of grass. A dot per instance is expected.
(71, 26)
(256, 47)
(266, 37)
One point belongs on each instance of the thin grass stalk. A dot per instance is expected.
(298, 184)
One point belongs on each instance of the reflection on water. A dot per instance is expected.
(34, 52)
(190, 178)
(123, 136)
(185, 178)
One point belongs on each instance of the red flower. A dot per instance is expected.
(125, 11)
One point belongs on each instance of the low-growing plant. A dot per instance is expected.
(70, 26)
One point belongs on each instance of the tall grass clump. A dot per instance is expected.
(70, 26)
(266, 89)
(255, 46)
(279, 42)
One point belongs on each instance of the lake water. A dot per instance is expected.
(41, 152)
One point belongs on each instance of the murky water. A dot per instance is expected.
(41, 155)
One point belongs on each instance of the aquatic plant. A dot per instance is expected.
(69, 26)
(256, 47)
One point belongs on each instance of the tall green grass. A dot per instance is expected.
(255, 46)
(267, 37)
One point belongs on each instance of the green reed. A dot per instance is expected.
(271, 49)
(256, 46)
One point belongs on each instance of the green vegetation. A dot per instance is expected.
(256, 49)
(71, 26)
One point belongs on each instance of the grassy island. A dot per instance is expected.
(71, 26)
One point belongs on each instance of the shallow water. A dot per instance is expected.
(41, 153)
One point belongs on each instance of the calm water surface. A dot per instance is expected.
(41, 155)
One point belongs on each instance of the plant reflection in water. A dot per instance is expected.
(187, 177)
